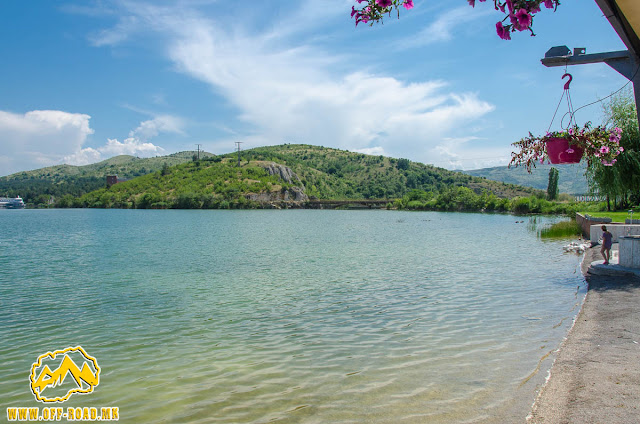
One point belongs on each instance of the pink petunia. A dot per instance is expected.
(408, 4)
(503, 32)
(604, 150)
(509, 4)
(620, 149)
(548, 4)
(384, 3)
(524, 19)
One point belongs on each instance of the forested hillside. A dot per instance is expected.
(310, 172)
(571, 180)
(37, 187)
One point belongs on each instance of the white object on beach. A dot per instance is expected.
(576, 247)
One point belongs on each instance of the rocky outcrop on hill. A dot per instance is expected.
(289, 195)
(285, 173)
(293, 194)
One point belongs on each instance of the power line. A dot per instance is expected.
(238, 143)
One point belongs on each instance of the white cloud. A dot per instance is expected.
(375, 151)
(83, 157)
(443, 27)
(49, 137)
(160, 124)
(130, 146)
(285, 88)
(40, 138)
(469, 153)
(286, 91)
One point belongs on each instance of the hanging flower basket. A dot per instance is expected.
(560, 151)
(569, 146)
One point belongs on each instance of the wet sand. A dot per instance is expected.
(596, 375)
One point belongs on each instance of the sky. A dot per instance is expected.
(82, 81)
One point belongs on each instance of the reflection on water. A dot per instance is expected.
(294, 316)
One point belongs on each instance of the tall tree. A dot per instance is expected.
(552, 187)
(620, 182)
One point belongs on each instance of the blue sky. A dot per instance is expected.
(83, 81)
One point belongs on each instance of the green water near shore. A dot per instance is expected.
(288, 316)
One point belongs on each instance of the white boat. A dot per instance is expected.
(11, 203)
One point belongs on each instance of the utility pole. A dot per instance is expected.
(198, 150)
(238, 143)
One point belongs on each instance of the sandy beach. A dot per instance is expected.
(596, 375)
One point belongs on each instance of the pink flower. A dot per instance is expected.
(548, 4)
(604, 150)
(524, 19)
(570, 131)
(620, 149)
(361, 17)
(535, 8)
(408, 4)
(503, 32)
(509, 4)
(384, 3)
(606, 163)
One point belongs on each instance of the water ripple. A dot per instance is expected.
(287, 316)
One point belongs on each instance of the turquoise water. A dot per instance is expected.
(297, 316)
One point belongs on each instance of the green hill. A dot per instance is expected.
(284, 173)
(38, 186)
(571, 177)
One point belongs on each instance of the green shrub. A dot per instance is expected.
(561, 229)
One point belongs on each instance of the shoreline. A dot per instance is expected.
(595, 377)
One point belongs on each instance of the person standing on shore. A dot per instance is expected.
(607, 241)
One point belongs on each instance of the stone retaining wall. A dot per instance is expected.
(586, 221)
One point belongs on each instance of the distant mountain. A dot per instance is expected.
(38, 186)
(572, 179)
(283, 173)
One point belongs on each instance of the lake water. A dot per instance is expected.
(298, 316)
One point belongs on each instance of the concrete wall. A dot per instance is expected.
(630, 252)
(617, 230)
(586, 221)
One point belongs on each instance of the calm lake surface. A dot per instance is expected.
(298, 316)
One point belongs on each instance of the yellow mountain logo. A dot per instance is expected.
(43, 379)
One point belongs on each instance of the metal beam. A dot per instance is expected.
(620, 24)
(582, 59)
(624, 62)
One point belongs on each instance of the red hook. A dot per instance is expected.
(566, 84)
